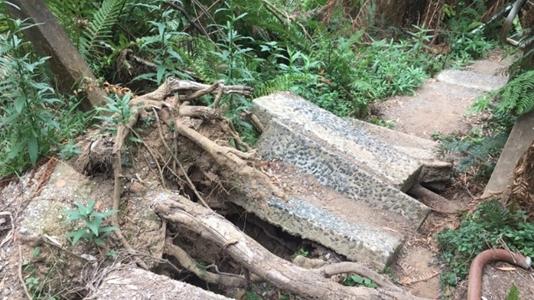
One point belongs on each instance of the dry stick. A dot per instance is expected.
(310, 284)
(117, 190)
(351, 267)
(203, 92)
(218, 98)
(182, 169)
(190, 264)
(21, 278)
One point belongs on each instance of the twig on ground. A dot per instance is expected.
(21, 278)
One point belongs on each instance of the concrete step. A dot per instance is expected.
(342, 157)
(370, 154)
(354, 229)
(472, 79)
(434, 172)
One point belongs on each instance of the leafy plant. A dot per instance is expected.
(116, 112)
(481, 147)
(515, 98)
(302, 252)
(92, 229)
(99, 30)
(477, 151)
(491, 225)
(28, 127)
(513, 293)
(357, 280)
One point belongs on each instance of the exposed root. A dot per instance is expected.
(351, 267)
(311, 284)
(186, 261)
(178, 162)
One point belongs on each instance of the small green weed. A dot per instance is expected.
(491, 225)
(513, 293)
(357, 280)
(302, 252)
(116, 112)
(477, 151)
(92, 229)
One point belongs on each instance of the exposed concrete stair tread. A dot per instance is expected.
(472, 79)
(370, 154)
(311, 211)
(414, 146)
(337, 171)
(436, 107)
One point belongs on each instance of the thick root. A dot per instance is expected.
(311, 284)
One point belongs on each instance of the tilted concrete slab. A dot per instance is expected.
(338, 171)
(328, 157)
(135, 284)
(471, 79)
(367, 154)
(356, 230)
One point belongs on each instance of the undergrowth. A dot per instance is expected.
(254, 43)
(34, 119)
(491, 225)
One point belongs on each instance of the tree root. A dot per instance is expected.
(311, 284)
(232, 160)
(155, 100)
(186, 261)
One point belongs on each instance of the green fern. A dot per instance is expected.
(517, 97)
(99, 29)
(283, 82)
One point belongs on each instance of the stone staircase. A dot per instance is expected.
(346, 179)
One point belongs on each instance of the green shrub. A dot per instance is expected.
(491, 225)
(34, 120)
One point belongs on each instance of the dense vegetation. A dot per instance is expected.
(268, 46)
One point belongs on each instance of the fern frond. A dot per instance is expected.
(99, 29)
(283, 82)
(517, 97)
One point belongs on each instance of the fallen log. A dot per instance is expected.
(310, 284)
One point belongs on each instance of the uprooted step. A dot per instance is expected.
(369, 154)
(358, 231)
(346, 158)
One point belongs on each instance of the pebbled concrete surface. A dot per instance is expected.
(358, 231)
(338, 171)
(366, 152)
